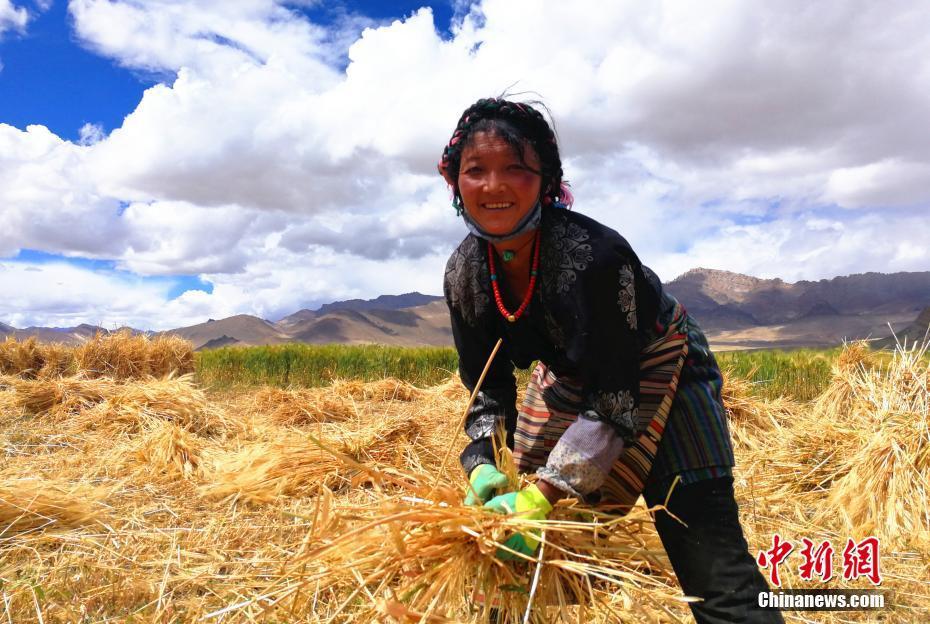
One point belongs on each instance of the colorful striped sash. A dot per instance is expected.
(552, 403)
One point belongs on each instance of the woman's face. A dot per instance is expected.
(496, 187)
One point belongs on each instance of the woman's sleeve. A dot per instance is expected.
(609, 343)
(495, 404)
(606, 346)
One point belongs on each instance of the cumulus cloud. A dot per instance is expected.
(12, 17)
(59, 294)
(778, 139)
(90, 133)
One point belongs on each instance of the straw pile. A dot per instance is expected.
(91, 403)
(166, 452)
(883, 486)
(336, 402)
(29, 505)
(126, 356)
(30, 360)
(421, 560)
(119, 356)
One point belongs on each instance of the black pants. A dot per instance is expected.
(710, 556)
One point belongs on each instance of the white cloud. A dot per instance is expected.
(62, 295)
(12, 17)
(782, 139)
(90, 133)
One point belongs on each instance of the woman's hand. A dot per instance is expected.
(530, 504)
(485, 479)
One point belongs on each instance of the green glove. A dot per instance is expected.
(484, 479)
(529, 503)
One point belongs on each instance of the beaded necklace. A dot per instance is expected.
(529, 291)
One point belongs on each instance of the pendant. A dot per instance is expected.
(508, 255)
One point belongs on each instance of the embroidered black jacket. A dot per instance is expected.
(594, 308)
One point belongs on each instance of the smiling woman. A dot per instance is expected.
(625, 398)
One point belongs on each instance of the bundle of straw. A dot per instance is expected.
(166, 452)
(300, 464)
(387, 389)
(300, 407)
(262, 472)
(170, 355)
(855, 358)
(30, 505)
(177, 400)
(20, 358)
(57, 361)
(125, 355)
(883, 487)
(420, 559)
(60, 396)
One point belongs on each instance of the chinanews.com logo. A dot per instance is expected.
(860, 560)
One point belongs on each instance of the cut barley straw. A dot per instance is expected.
(302, 407)
(387, 389)
(262, 472)
(854, 359)
(125, 355)
(29, 359)
(334, 403)
(28, 505)
(165, 452)
(297, 465)
(883, 487)
(60, 397)
(126, 406)
(437, 559)
(86, 404)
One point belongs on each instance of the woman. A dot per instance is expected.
(625, 398)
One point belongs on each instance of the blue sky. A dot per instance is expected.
(49, 78)
(198, 159)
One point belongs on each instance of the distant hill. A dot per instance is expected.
(300, 316)
(776, 301)
(65, 335)
(738, 310)
(735, 310)
(216, 343)
(418, 326)
(243, 328)
(384, 302)
(916, 332)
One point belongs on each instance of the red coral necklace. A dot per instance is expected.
(529, 291)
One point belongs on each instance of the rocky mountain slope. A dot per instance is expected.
(736, 311)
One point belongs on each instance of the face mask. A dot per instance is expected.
(528, 223)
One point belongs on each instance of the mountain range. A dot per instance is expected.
(735, 310)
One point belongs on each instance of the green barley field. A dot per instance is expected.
(800, 373)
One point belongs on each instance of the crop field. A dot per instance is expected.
(801, 373)
(140, 482)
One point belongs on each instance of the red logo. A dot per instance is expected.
(774, 556)
(859, 559)
(862, 560)
(817, 561)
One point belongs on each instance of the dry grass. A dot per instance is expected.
(891, 461)
(29, 359)
(29, 505)
(149, 499)
(126, 356)
(118, 356)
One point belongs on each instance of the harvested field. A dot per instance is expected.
(145, 497)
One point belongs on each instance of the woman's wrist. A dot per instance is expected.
(551, 492)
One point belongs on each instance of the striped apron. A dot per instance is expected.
(540, 423)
